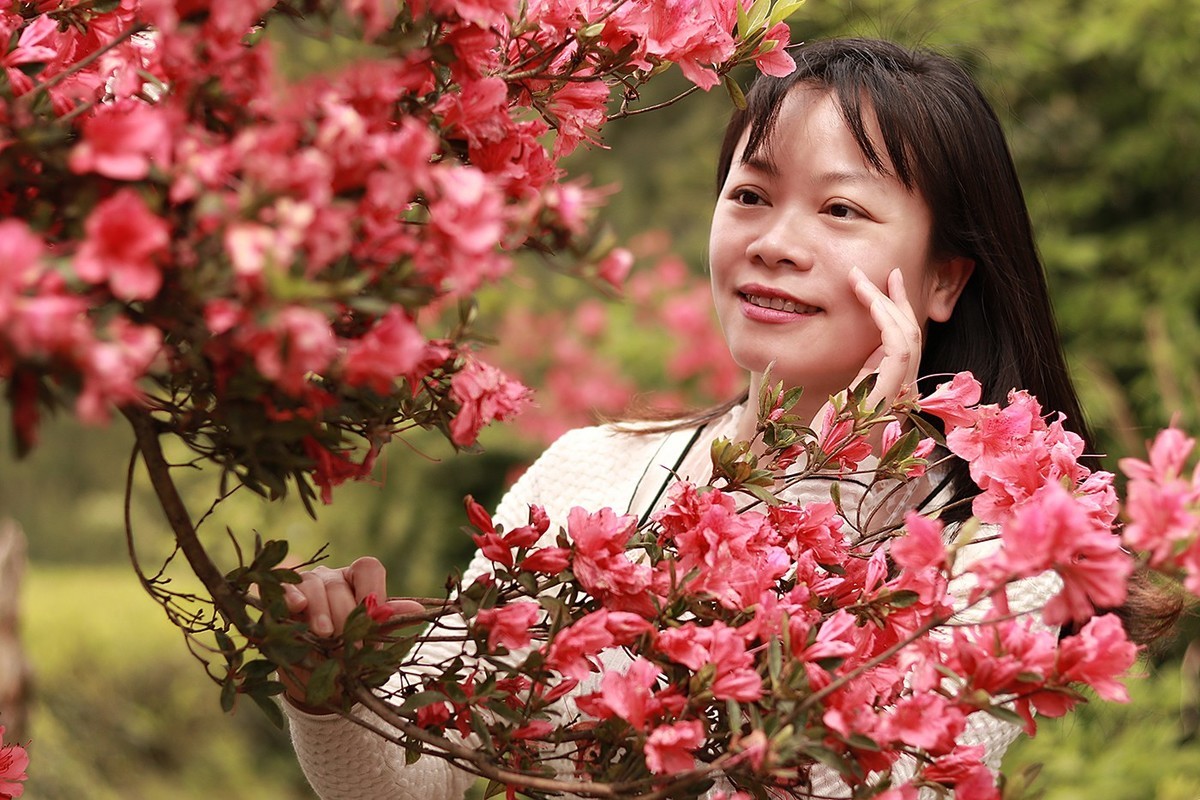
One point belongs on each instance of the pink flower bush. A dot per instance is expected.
(279, 242)
(720, 638)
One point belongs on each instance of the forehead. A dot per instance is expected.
(810, 123)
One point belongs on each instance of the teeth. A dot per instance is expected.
(779, 304)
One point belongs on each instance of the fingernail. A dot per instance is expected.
(322, 625)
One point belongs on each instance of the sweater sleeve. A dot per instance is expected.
(590, 467)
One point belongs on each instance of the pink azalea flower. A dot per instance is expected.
(112, 369)
(332, 468)
(534, 729)
(392, 349)
(581, 110)
(735, 556)
(1168, 456)
(378, 610)
(950, 401)
(773, 58)
(1053, 530)
(669, 748)
(1005, 657)
(122, 140)
(574, 648)
(615, 267)
(14, 760)
(928, 721)
(813, 528)
(921, 546)
(547, 560)
(124, 240)
(696, 646)
(484, 394)
(838, 442)
(1161, 517)
(629, 696)
(478, 111)
(483, 13)
(836, 638)
(1098, 655)
(296, 343)
(509, 625)
(965, 772)
(994, 430)
(29, 50)
(21, 252)
(600, 561)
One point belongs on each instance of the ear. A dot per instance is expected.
(949, 281)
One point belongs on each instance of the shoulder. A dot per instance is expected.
(597, 444)
(591, 467)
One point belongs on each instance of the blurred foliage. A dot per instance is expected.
(1099, 104)
(1116, 752)
(119, 713)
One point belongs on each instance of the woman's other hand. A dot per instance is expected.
(324, 599)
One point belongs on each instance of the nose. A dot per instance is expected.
(781, 244)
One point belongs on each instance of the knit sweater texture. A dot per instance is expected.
(593, 468)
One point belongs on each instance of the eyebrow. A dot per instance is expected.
(848, 176)
(760, 162)
(763, 163)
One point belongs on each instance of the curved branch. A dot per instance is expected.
(227, 601)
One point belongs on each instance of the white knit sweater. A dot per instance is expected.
(593, 468)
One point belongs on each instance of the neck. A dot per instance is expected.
(807, 408)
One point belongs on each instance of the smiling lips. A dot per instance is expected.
(766, 305)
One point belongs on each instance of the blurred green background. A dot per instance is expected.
(1100, 104)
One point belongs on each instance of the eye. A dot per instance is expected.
(843, 211)
(747, 197)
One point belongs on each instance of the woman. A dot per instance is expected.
(869, 220)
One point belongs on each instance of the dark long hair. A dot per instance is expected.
(944, 141)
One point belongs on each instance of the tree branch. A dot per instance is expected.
(230, 605)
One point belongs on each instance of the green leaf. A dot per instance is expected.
(228, 694)
(1005, 714)
(784, 10)
(743, 22)
(763, 493)
(775, 659)
(420, 700)
(357, 625)
(258, 670)
(269, 707)
(271, 554)
(322, 683)
(759, 12)
(735, 92)
(903, 598)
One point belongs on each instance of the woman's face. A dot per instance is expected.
(788, 227)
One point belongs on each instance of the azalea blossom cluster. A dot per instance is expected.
(283, 271)
(754, 631)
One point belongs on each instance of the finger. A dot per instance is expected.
(339, 595)
(402, 606)
(367, 576)
(898, 357)
(317, 603)
(294, 599)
